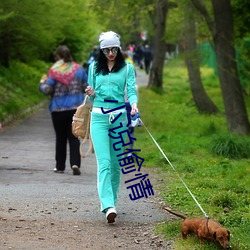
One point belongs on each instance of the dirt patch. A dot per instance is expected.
(50, 234)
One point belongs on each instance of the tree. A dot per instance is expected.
(201, 99)
(241, 17)
(128, 18)
(159, 46)
(242, 33)
(223, 38)
(28, 33)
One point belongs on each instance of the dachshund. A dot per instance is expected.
(204, 229)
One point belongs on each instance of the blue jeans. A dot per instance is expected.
(108, 168)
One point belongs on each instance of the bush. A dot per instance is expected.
(224, 200)
(231, 146)
(19, 88)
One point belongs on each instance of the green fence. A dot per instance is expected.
(208, 58)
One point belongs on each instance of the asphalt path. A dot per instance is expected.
(29, 188)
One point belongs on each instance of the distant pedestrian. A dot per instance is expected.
(138, 56)
(93, 55)
(147, 54)
(65, 84)
(107, 82)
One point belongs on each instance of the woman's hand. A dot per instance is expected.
(134, 109)
(90, 91)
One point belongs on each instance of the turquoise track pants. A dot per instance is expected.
(108, 168)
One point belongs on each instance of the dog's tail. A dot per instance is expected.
(175, 213)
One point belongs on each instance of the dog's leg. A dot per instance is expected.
(184, 235)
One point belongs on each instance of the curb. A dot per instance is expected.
(22, 114)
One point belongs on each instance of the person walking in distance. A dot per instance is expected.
(108, 77)
(65, 83)
(147, 54)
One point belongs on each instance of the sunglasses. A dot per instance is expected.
(106, 51)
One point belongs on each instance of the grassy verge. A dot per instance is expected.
(212, 163)
(19, 88)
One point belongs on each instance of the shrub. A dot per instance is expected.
(223, 200)
(231, 146)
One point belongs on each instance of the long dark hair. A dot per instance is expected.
(102, 67)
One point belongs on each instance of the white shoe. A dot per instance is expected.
(111, 214)
(58, 171)
(76, 170)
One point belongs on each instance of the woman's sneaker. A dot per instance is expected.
(111, 214)
(76, 170)
(58, 171)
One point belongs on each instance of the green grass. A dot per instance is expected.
(19, 88)
(214, 164)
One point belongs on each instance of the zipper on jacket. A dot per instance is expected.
(109, 87)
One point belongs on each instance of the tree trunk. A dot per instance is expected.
(223, 38)
(201, 99)
(4, 50)
(159, 47)
(235, 109)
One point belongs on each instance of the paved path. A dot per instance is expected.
(141, 78)
(29, 189)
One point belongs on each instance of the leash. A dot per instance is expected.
(175, 170)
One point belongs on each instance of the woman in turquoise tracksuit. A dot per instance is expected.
(108, 77)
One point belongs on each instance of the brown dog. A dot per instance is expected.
(204, 229)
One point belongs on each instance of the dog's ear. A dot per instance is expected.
(214, 235)
(228, 237)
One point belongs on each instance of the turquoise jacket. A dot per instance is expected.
(113, 86)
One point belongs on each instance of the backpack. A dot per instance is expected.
(81, 126)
